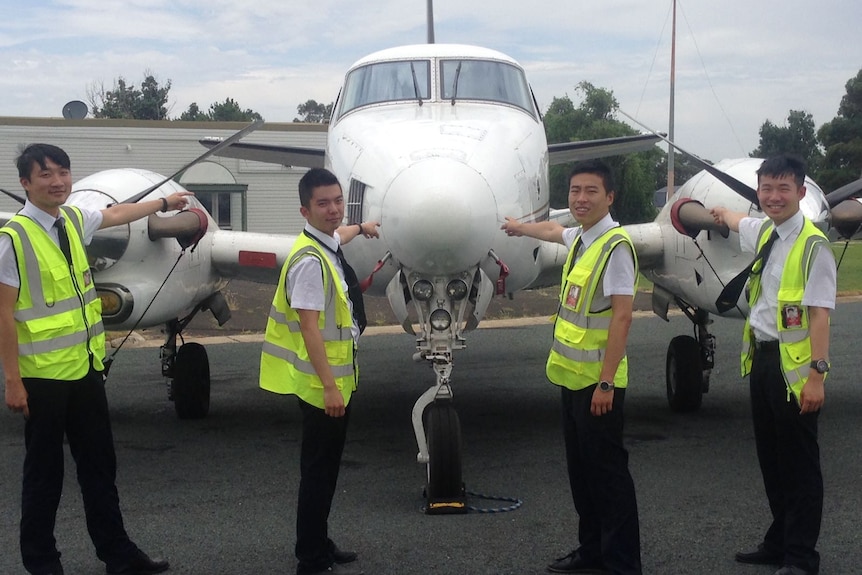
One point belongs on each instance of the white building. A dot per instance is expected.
(240, 194)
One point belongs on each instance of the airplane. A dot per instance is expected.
(438, 143)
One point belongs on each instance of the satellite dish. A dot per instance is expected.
(75, 110)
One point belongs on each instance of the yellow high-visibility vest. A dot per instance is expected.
(794, 339)
(581, 327)
(58, 316)
(285, 366)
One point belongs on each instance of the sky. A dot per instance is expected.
(738, 62)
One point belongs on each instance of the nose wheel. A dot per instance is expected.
(445, 490)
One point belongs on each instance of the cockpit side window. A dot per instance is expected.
(386, 82)
(485, 80)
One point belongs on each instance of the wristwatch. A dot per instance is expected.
(820, 365)
(606, 385)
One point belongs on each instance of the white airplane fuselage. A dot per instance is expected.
(440, 176)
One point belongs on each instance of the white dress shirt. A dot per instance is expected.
(819, 291)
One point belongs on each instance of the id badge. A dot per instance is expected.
(87, 278)
(791, 316)
(573, 296)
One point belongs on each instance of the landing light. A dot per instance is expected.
(457, 289)
(440, 320)
(111, 302)
(423, 290)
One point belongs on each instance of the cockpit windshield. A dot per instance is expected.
(485, 80)
(387, 82)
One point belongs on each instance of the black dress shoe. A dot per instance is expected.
(139, 564)
(341, 557)
(760, 556)
(574, 562)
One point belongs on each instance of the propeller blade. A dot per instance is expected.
(15, 197)
(223, 144)
(845, 192)
(740, 188)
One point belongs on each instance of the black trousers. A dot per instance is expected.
(77, 410)
(323, 440)
(789, 457)
(602, 487)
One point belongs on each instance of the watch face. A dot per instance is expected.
(605, 386)
(822, 366)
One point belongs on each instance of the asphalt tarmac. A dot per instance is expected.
(217, 496)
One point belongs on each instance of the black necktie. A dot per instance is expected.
(576, 249)
(60, 224)
(354, 292)
(730, 294)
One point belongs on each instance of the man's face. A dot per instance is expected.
(589, 202)
(779, 197)
(48, 188)
(326, 209)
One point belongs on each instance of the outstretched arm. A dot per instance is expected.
(350, 231)
(547, 231)
(125, 213)
(722, 215)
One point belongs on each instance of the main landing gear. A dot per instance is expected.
(689, 363)
(188, 366)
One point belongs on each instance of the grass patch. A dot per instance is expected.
(850, 270)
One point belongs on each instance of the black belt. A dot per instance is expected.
(771, 345)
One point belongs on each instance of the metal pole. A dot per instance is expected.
(670, 152)
(430, 21)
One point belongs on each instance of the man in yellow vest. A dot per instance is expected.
(52, 345)
(588, 362)
(309, 351)
(786, 354)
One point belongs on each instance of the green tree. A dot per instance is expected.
(842, 139)
(149, 102)
(797, 136)
(683, 170)
(594, 119)
(227, 111)
(314, 112)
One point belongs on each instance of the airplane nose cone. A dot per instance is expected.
(440, 217)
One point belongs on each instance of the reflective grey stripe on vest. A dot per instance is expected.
(304, 366)
(579, 355)
(39, 308)
(72, 216)
(584, 321)
(581, 319)
(331, 331)
(58, 343)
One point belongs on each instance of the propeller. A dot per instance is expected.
(221, 145)
(845, 192)
(740, 188)
(15, 197)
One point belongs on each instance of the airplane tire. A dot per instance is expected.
(191, 384)
(444, 452)
(684, 374)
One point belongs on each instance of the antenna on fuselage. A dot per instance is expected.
(430, 21)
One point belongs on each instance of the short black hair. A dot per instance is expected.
(314, 178)
(37, 154)
(598, 168)
(783, 165)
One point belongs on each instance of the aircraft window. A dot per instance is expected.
(485, 80)
(386, 82)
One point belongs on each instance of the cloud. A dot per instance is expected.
(738, 62)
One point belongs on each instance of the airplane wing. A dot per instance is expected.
(285, 155)
(251, 256)
(590, 149)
